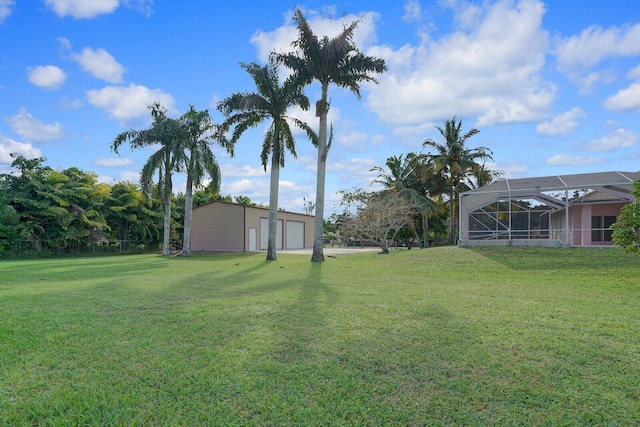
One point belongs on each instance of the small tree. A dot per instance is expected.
(626, 230)
(381, 218)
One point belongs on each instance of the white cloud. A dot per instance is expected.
(351, 139)
(412, 11)
(65, 43)
(5, 9)
(595, 44)
(129, 176)
(280, 39)
(252, 188)
(491, 69)
(8, 146)
(625, 99)
(561, 124)
(258, 191)
(125, 103)
(113, 162)
(567, 160)
(100, 64)
(634, 73)
(82, 9)
(86, 9)
(289, 188)
(46, 76)
(235, 170)
(578, 54)
(106, 179)
(510, 169)
(356, 171)
(619, 138)
(71, 104)
(32, 129)
(378, 139)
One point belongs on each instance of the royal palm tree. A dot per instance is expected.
(336, 60)
(457, 161)
(169, 134)
(270, 102)
(199, 162)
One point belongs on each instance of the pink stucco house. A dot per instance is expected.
(562, 210)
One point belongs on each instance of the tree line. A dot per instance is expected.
(48, 212)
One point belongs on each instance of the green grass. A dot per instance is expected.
(444, 336)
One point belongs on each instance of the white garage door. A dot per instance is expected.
(295, 235)
(264, 234)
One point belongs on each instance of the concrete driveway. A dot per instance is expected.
(332, 251)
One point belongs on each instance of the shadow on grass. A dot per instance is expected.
(78, 270)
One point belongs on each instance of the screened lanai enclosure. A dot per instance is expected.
(561, 210)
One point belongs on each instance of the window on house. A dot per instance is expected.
(608, 222)
(600, 231)
(596, 226)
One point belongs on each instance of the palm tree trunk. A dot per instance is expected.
(414, 228)
(425, 230)
(321, 110)
(188, 210)
(167, 211)
(451, 219)
(273, 202)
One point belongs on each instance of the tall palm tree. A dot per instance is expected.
(456, 160)
(336, 60)
(199, 161)
(169, 134)
(270, 102)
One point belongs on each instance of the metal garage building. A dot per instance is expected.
(229, 227)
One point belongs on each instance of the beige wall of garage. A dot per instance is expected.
(225, 227)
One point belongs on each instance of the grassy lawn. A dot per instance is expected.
(444, 336)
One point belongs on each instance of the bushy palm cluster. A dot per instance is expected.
(46, 211)
(423, 184)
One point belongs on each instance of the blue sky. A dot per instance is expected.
(553, 87)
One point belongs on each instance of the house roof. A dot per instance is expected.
(615, 183)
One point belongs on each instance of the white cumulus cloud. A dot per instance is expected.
(491, 68)
(101, 64)
(567, 160)
(236, 170)
(5, 9)
(625, 99)
(412, 11)
(82, 9)
(561, 124)
(32, 129)
(125, 103)
(113, 162)
(8, 146)
(595, 43)
(578, 55)
(46, 76)
(280, 39)
(619, 138)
